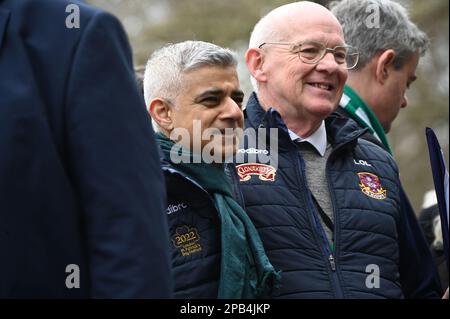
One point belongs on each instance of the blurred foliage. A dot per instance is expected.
(152, 23)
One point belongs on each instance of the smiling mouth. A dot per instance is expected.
(322, 86)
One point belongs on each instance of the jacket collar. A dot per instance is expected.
(340, 130)
(343, 131)
(367, 135)
(257, 118)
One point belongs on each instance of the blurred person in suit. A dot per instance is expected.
(81, 191)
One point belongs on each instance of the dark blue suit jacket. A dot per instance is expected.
(80, 181)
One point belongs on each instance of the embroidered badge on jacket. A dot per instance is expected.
(187, 240)
(371, 186)
(263, 171)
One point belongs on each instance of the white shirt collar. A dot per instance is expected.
(318, 139)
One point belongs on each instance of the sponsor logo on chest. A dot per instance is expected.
(175, 208)
(361, 163)
(252, 151)
(264, 172)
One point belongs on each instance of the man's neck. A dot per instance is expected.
(362, 86)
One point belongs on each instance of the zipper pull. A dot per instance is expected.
(332, 263)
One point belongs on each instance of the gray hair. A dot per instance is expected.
(166, 66)
(395, 31)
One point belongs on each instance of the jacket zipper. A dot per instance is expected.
(332, 263)
(330, 259)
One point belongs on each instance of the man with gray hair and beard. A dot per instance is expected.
(330, 217)
(193, 94)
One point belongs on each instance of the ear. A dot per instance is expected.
(255, 61)
(161, 113)
(384, 65)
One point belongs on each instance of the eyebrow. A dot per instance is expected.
(218, 92)
(238, 93)
(207, 93)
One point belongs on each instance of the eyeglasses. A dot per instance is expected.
(313, 52)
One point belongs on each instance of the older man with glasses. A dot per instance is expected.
(329, 216)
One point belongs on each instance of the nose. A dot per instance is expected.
(404, 102)
(232, 110)
(328, 63)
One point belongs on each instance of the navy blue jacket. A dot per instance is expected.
(414, 232)
(80, 181)
(194, 227)
(372, 228)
